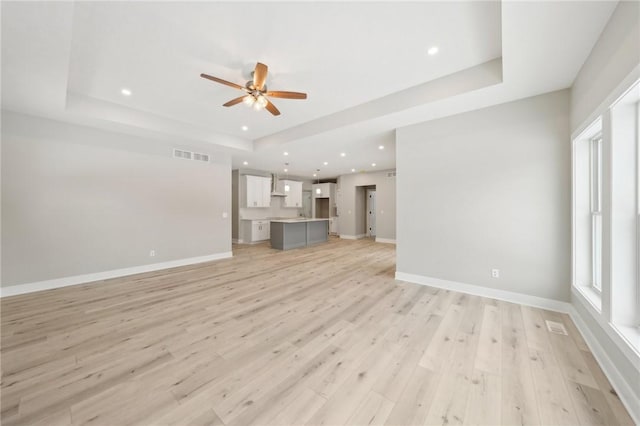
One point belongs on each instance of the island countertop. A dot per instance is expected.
(294, 220)
(293, 233)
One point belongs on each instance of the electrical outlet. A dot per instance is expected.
(495, 273)
(152, 253)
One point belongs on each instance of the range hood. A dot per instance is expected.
(274, 186)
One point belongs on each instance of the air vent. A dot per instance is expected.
(391, 174)
(178, 153)
(556, 327)
(188, 155)
(201, 157)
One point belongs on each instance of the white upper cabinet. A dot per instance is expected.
(293, 192)
(258, 191)
(323, 190)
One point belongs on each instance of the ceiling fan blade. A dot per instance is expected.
(260, 75)
(221, 81)
(233, 102)
(287, 95)
(272, 108)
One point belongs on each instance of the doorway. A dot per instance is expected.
(371, 212)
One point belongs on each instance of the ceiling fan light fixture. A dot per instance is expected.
(249, 100)
(262, 101)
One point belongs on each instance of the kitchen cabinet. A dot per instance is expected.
(322, 190)
(293, 233)
(293, 192)
(333, 225)
(257, 230)
(323, 203)
(258, 191)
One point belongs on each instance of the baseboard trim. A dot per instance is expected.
(352, 237)
(476, 290)
(15, 290)
(617, 380)
(621, 386)
(385, 240)
(579, 298)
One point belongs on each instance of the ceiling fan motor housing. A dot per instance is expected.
(249, 85)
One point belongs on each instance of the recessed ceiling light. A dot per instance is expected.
(343, 154)
(326, 163)
(285, 153)
(315, 174)
(244, 128)
(353, 170)
(381, 147)
(246, 163)
(373, 164)
(432, 50)
(286, 170)
(126, 92)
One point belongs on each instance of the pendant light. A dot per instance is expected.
(286, 185)
(318, 190)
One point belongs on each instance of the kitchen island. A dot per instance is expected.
(293, 233)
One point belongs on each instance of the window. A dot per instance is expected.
(637, 301)
(595, 184)
(606, 220)
(624, 241)
(606, 216)
(588, 186)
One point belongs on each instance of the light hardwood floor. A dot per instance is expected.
(322, 335)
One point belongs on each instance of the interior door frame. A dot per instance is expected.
(370, 204)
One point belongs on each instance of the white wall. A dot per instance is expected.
(235, 204)
(489, 189)
(79, 201)
(351, 204)
(615, 55)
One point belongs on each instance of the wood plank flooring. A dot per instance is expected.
(322, 335)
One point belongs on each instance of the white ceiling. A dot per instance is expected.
(364, 65)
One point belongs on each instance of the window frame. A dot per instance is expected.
(595, 194)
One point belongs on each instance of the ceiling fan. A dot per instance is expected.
(256, 91)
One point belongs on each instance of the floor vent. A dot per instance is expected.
(556, 327)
